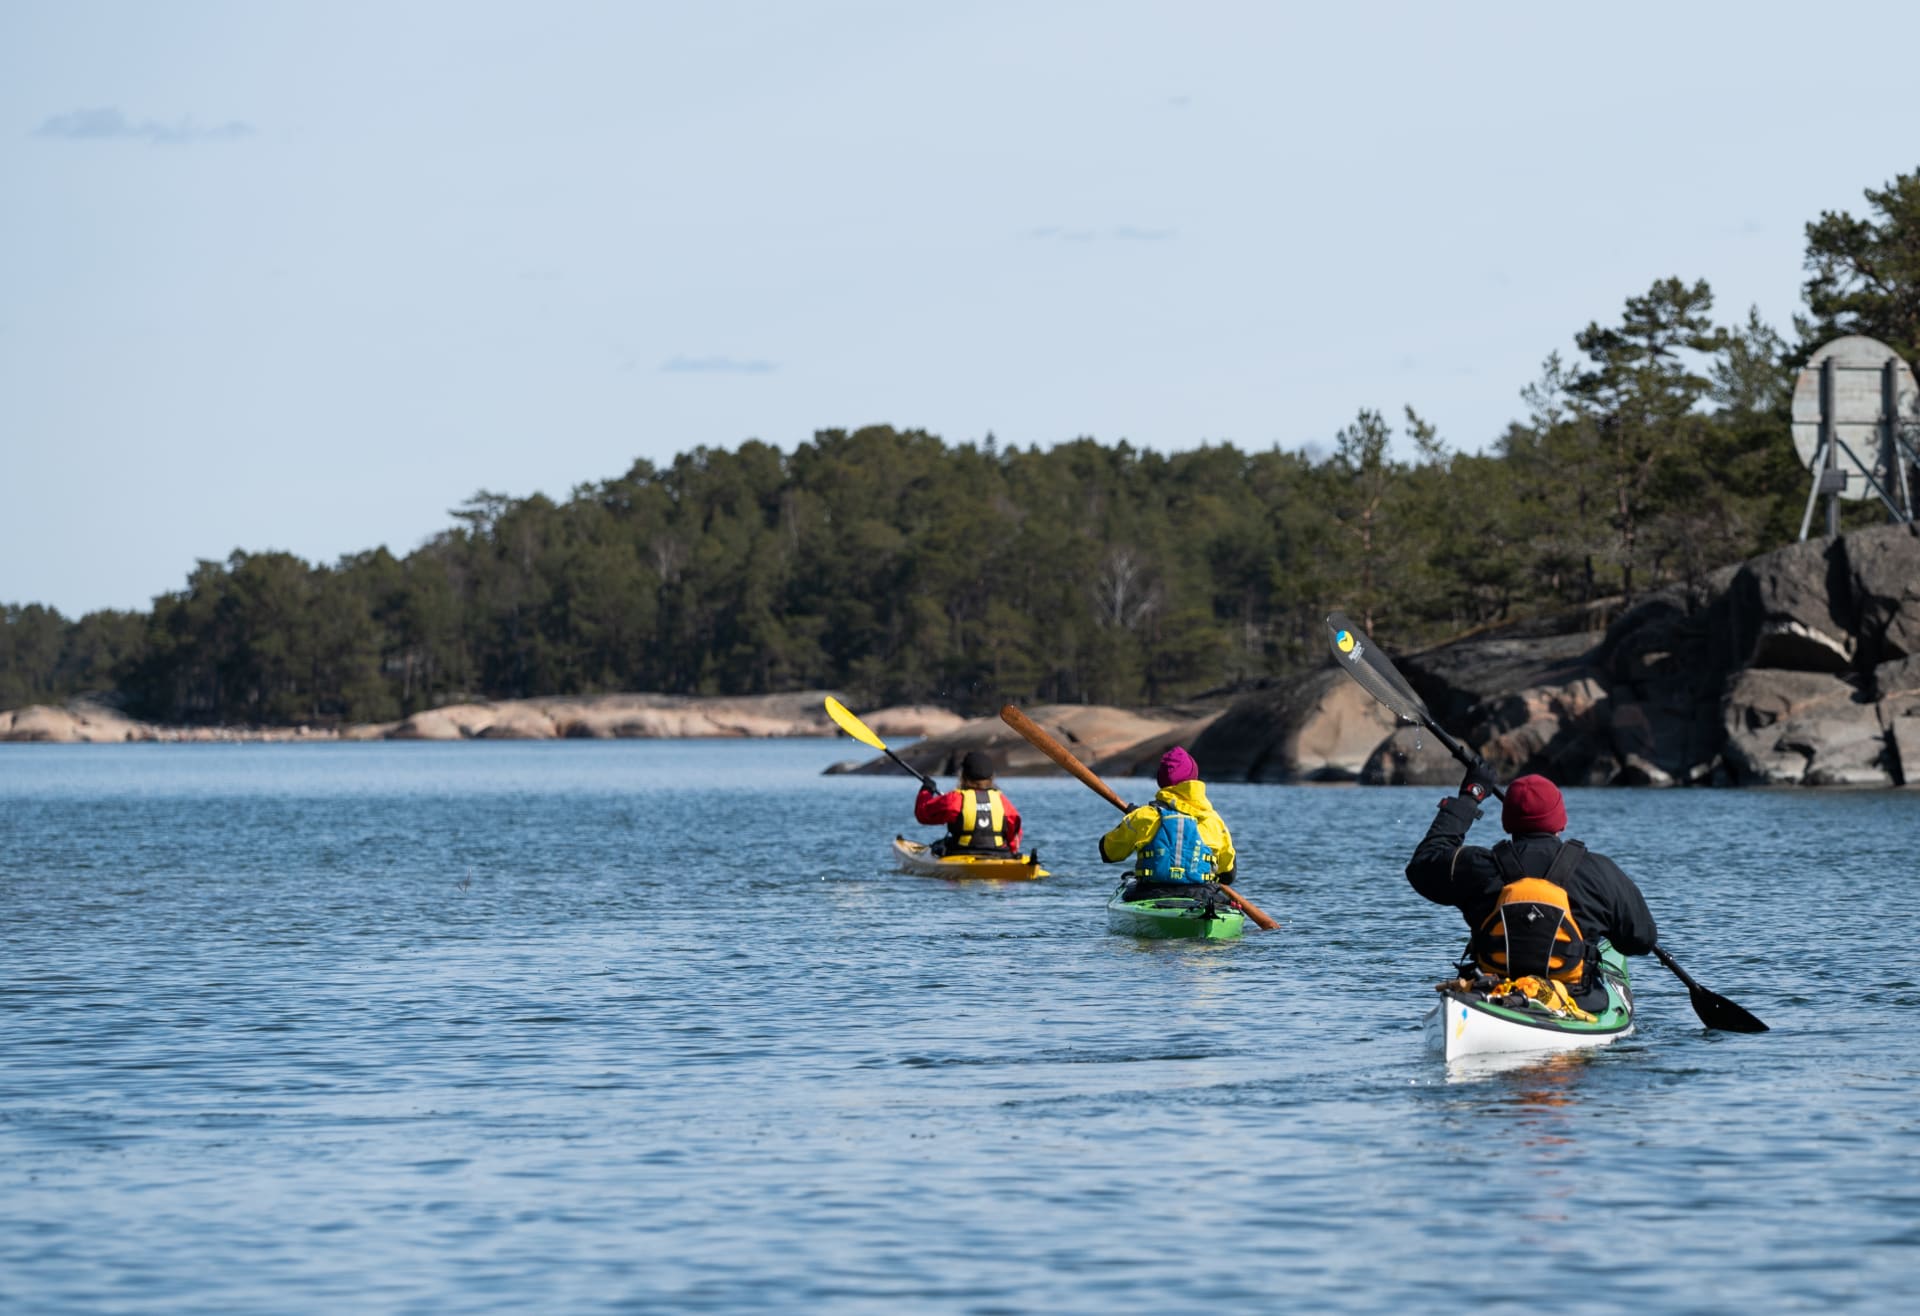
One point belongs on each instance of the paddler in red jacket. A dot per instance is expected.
(978, 818)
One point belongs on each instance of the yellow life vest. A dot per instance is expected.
(1531, 931)
(981, 827)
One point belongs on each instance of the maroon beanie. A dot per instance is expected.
(1533, 805)
(1176, 766)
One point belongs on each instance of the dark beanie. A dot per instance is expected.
(1533, 805)
(977, 765)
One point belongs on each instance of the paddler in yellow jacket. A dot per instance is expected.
(1177, 840)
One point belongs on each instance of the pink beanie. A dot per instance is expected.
(1176, 766)
(1533, 805)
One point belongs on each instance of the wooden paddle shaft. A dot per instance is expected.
(1059, 753)
(1259, 916)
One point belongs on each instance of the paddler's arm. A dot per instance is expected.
(1132, 833)
(1632, 929)
(933, 810)
(1443, 863)
(1225, 860)
(1013, 823)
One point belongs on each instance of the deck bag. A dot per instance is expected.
(1541, 993)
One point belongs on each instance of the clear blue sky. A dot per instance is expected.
(305, 276)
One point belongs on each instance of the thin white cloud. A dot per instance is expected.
(107, 123)
(716, 365)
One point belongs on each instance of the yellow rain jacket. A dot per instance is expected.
(1190, 798)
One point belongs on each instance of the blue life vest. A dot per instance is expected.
(1175, 852)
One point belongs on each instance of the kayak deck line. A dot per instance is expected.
(1171, 917)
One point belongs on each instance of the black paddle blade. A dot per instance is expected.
(1715, 1010)
(1364, 662)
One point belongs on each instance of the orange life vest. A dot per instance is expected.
(1531, 931)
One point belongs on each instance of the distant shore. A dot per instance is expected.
(1121, 741)
(582, 717)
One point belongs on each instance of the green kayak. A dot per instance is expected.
(1172, 916)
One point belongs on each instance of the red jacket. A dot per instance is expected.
(939, 810)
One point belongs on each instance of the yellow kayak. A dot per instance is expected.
(917, 858)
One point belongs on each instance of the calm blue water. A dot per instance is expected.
(652, 1025)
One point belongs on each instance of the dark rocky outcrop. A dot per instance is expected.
(1322, 728)
(1800, 667)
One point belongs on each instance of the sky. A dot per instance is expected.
(305, 276)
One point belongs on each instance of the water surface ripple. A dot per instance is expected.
(653, 1025)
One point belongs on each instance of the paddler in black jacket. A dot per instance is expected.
(1601, 900)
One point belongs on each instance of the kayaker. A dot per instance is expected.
(1537, 906)
(1177, 839)
(979, 818)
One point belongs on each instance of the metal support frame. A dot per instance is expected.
(1830, 480)
(1895, 448)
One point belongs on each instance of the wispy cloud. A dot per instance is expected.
(1118, 233)
(109, 124)
(716, 365)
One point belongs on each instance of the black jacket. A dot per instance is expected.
(1604, 900)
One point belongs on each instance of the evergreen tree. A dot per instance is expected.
(1863, 275)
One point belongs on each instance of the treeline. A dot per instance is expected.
(898, 567)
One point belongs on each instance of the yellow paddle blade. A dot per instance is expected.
(852, 725)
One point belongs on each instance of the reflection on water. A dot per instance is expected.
(1523, 1079)
(637, 1026)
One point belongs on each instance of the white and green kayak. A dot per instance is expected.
(1466, 1023)
(1162, 917)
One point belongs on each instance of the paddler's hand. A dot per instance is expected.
(929, 785)
(1479, 782)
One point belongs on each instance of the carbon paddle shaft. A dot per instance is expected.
(1459, 751)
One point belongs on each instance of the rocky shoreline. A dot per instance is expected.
(1799, 667)
(581, 717)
